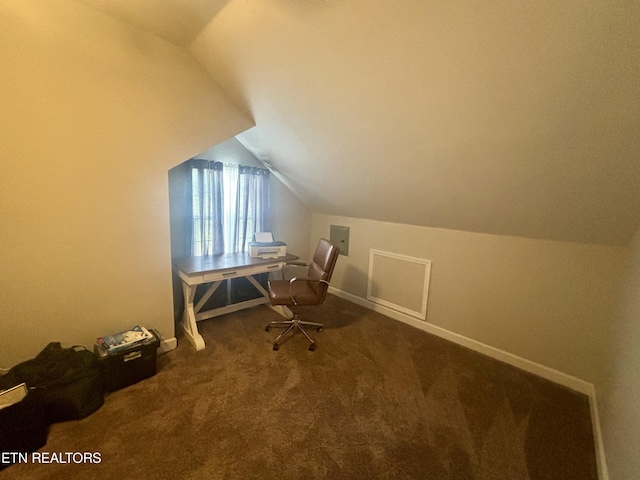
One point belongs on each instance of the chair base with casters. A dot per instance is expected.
(294, 325)
(303, 291)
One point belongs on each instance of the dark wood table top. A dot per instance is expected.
(225, 261)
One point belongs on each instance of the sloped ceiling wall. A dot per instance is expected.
(502, 117)
(516, 118)
(177, 21)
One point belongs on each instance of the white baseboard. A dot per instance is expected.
(167, 344)
(603, 472)
(551, 374)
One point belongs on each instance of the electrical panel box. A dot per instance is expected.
(339, 236)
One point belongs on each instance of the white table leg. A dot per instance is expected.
(282, 310)
(259, 287)
(189, 324)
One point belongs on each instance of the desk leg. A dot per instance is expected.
(282, 310)
(255, 283)
(189, 324)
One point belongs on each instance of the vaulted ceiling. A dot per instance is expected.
(502, 117)
(177, 21)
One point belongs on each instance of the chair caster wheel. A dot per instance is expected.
(276, 347)
(312, 347)
(267, 328)
(319, 329)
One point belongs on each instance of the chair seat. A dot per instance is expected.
(280, 292)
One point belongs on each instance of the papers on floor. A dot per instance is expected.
(13, 395)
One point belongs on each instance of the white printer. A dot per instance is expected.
(264, 246)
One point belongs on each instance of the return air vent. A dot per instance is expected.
(399, 282)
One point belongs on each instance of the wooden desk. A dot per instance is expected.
(194, 271)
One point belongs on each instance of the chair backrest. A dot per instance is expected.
(322, 265)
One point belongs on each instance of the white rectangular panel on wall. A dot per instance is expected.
(399, 282)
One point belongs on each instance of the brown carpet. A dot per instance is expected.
(378, 399)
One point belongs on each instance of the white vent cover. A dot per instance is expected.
(399, 282)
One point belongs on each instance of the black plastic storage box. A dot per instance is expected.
(128, 366)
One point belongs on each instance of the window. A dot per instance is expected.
(229, 204)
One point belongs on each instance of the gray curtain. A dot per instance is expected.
(252, 207)
(207, 212)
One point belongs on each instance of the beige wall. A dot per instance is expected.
(94, 113)
(620, 389)
(548, 302)
(291, 220)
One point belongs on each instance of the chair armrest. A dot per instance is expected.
(297, 264)
(302, 279)
(307, 279)
(292, 264)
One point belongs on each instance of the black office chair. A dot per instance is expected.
(303, 291)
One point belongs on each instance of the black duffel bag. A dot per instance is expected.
(65, 382)
(23, 429)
